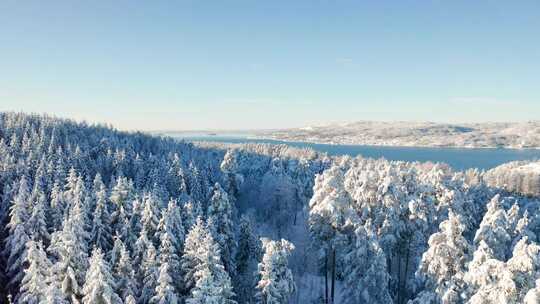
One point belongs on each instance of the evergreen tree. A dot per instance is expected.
(150, 215)
(171, 222)
(17, 238)
(220, 215)
(150, 274)
(57, 208)
(122, 195)
(443, 264)
(213, 284)
(37, 222)
(165, 291)
(100, 233)
(99, 283)
(276, 282)
(331, 218)
(191, 257)
(247, 255)
(533, 295)
(34, 283)
(494, 229)
(53, 295)
(191, 212)
(124, 274)
(168, 255)
(366, 277)
(70, 250)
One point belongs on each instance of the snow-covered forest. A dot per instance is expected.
(95, 215)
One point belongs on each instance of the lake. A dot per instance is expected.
(458, 158)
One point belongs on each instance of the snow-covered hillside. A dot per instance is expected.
(94, 215)
(507, 135)
(521, 177)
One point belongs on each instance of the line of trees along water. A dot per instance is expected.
(94, 215)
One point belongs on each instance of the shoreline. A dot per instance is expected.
(389, 145)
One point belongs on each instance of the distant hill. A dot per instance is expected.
(426, 134)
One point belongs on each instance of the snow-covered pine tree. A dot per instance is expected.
(366, 276)
(165, 292)
(213, 284)
(220, 214)
(494, 229)
(114, 254)
(37, 225)
(443, 265)
(70, 249)
(150, 215)
(100, 233)
(524, 266)
(99, 283)
(130, 300)
(15, 248)
(149, 274)
(247, 256)
(168, 255)
(122, 196)
(33, 288)
(191, 256)
(192, 210)
(57, 208)
(533, 295)
(331, 218)
(275, 283)
(123, 272)
(171, 221)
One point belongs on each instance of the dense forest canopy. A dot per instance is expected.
(95, 215)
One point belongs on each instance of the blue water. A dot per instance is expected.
(458, 158)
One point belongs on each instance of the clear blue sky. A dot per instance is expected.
(269, 64)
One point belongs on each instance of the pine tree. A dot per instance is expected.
(495, 229)
(247, 255)
(533, 295)
(17, 238)
(150, 274)
(114, 254)
(443, 264)
(57, 208)
(100, 233)
(34, 283)
(366, 276)
(150, 215)
(130, 300)
(276, 282)
(331, 218)
(70, 250)
(168, 255)
(53, 295)
(122, 195)
(213, 284)
(191, 212)
(165, 291)
(124, 274)
(171, 222)
(220, 215)
(141, 247)
(37, 221)
(191, 257)
(99, 283)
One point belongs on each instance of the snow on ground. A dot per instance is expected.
(477, 135)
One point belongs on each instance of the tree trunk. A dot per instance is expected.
(406, 268)
(326, 278)
(398, 277)
(333, 274)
